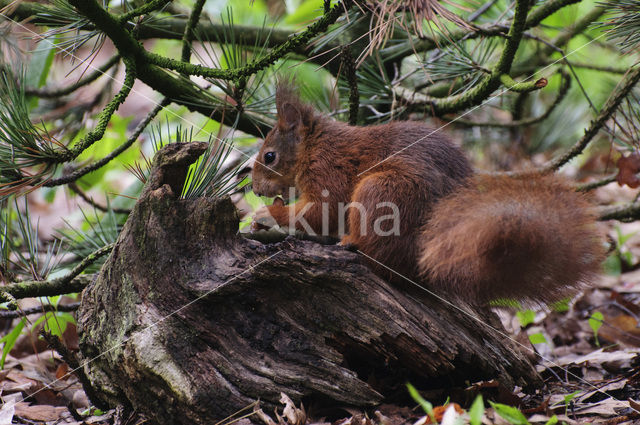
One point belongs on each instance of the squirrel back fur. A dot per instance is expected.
(476, 237)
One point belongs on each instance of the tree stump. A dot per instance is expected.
(189, 322)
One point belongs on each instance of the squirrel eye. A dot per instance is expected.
(269, 157)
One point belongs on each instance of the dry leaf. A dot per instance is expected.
(628, 167)
(39, 412)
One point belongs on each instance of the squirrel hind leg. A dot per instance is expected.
(382, 222)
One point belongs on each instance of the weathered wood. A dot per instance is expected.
(189, 322)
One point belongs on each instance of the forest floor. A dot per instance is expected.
(586, 351)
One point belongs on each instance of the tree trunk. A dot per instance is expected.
(189, 322)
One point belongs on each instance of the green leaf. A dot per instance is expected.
(537, 338)
(10, 339)
(561, 306)
(424, 404)
(57, 323)
(595, 322)
(526, 317)
(38, 69)
(612, 265)
(552, 420)
(476, 412)
(510, 414)
(622, 239)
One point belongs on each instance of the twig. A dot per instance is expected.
(596, 184)
(53, 93)
(187, 37)
(349, 67)
(38, 309)
(76, 189)
(629, 212)
(149, 6)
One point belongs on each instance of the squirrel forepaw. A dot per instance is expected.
(349, 246)
(263, 218)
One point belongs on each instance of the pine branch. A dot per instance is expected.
(523, 86)
(349, 67)
(412, 46)
(187, 37)
(76, 189)
(617, 96)
(105, 116)
(69, 283)
(278, 52)
(565, 85)
(491, 82)
(75, 175)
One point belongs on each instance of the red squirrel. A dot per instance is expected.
(478, 237)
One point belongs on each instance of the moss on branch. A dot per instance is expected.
(278, 52)
(106, 114)
(147, 7)
(523, 86)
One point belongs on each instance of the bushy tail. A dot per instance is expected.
(533, 240)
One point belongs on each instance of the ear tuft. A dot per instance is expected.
(289, 116)
(291, 111)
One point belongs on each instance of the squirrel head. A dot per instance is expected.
(274, 171)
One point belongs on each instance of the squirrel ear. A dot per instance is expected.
(290, 116)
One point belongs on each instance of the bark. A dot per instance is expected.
(189, 322)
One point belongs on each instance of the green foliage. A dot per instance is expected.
(476, 411)
(39, 65)
(595, 322)
(526, 317)
(424, 404)
(613, 264)
(510, 414)
(114, 136)
(623, 25)
(97, 231)
(25, 248)
(55, 322)
(22, 144)
(207, 177)
(537, 338)
(9, 340)
(561, 306)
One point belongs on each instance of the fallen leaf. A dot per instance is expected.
(628, 167)
(39, 412)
